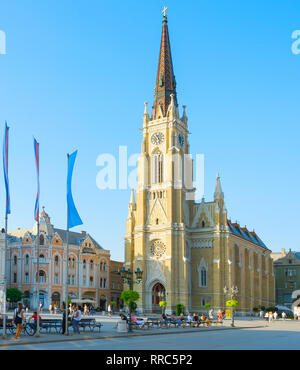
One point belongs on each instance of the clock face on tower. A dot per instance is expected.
(157, 138)
(180, 140)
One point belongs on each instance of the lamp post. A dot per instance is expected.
(127, 276)
(232, 292)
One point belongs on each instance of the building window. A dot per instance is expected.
(84, 264)
(42, 276)
(56, 279)
(157, 168)
(91, 265)
(101, 283)
(42, 258)
(112, 285)
(84, 280)
(104, 283)
(15, 277)
(56, 260)
(101, 266)
(42, 240)
(15, 260)
(202, 269)
(26, 277)
(104, 266)
(26, 259)
(91, 281)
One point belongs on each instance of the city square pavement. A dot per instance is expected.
(248, 334)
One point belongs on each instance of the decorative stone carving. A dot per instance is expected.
(157, 249)
(202, 243)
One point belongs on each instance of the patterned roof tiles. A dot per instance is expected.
(165, 80)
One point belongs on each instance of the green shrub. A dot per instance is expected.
(179, 309)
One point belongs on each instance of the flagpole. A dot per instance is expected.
(5, 284)
(37, 218)
(7, 210)
(37, 334)
(67, 268)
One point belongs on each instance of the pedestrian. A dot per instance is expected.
(85, 310)
(76, 320)
(261, 314)
(283, 315)
(50, 308)
(18, 319)
(270, 316)
(109, 310)
(251, 315)
(211, 314)
(92, 310)
(64, 318)
(275, 315)
(223, 314)
(55, 309)
(267, 316)
(220, 316)
(34, 317)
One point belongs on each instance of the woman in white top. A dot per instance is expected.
(18, 319)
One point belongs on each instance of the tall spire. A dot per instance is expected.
(165, 80)
(218, 190)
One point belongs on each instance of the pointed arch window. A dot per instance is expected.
(157, 167)
(26, 259)
(202, 269)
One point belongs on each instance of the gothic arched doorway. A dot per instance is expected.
(158, 294)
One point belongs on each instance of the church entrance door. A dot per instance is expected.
(158, 294)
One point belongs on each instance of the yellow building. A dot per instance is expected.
(188, 251)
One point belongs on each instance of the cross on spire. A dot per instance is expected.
(164, 11)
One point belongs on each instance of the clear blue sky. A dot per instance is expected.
(76, 75)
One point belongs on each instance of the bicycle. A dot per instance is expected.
(28, 328)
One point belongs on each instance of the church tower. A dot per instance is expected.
(155, 239)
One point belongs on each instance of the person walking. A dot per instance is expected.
(283, 315)
(220, 316)
(18, 319)
(64, 318)
(270, 316)
(275, 315)
(85, 310)
(109, 310)
(251, 315)
(76, 320)
(50, 309)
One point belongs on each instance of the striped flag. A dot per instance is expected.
(73, 216)
(37, 161)
(5, 168)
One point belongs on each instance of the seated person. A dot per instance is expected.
(203, 319)
(189, 318)
(196, 320)
(139, 322)
(164, 320)
(174, 320)
(182, 318)
(123, 317)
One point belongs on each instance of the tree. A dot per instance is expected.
(207, 305)
(129, 297)
(163, 305)
(14, 295)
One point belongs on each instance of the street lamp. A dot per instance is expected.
(127, 276)
(232, 292)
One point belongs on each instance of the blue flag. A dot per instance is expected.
(5, 168)
(73, 216)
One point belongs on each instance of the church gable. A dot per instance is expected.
(157, 214)
(27, 238)
(202, 216)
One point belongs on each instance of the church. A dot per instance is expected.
(188, 251)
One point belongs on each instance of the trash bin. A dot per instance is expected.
(122, 326)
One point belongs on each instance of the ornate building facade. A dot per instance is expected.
(188, 251)
(88, 265)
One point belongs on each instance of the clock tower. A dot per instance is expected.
(156, 232)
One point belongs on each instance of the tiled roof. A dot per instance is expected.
(244, 233)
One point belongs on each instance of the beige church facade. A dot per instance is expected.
(188, 251)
